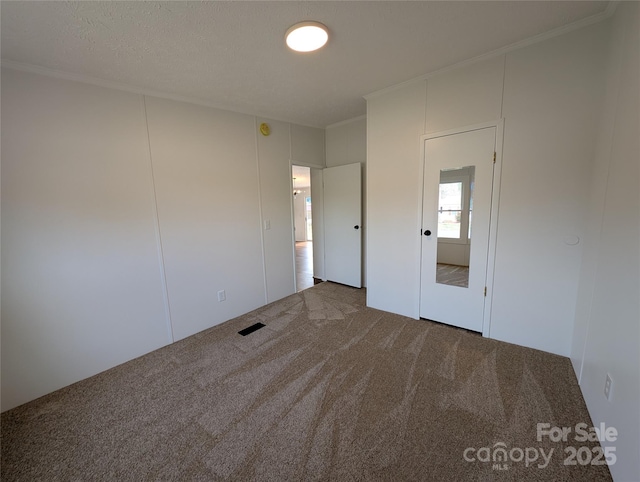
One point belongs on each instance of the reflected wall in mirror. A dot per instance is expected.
(455, 211)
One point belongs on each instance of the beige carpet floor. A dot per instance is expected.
(327, 390)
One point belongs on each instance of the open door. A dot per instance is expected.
(343, 223)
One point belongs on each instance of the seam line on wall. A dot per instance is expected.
(260, 213)
(156, 221)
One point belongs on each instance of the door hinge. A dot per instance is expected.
(485, 291)
(494, 157)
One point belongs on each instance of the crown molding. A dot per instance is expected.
(347, 121)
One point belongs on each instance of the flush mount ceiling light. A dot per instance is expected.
(306, 36)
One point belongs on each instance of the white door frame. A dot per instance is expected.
(493, 222)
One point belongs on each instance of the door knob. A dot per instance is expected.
(427, 232)
(356, 227)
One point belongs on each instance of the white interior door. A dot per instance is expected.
(458, 183)
(342, 224)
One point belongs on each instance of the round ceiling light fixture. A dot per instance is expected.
(306, 36)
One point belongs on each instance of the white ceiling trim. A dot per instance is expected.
(585, 22)
(347, 121)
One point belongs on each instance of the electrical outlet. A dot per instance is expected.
(222, 295)
(608, 387)
(267, 224)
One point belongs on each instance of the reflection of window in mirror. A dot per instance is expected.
(455, 208)
(450, 209)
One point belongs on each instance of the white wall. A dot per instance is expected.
(276, 209)
(86, 247)
(82, 288)
(200, 162)
(607, 331)
(465, 96)
(395, 122)
(307, 146)
(550, 102)
(346, 143)
(551, 107)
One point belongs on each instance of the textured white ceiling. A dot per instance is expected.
(232, 54)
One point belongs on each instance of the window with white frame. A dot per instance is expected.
(455, 205)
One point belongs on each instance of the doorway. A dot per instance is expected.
(302, 226)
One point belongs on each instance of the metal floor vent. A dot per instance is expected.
(250, 329)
